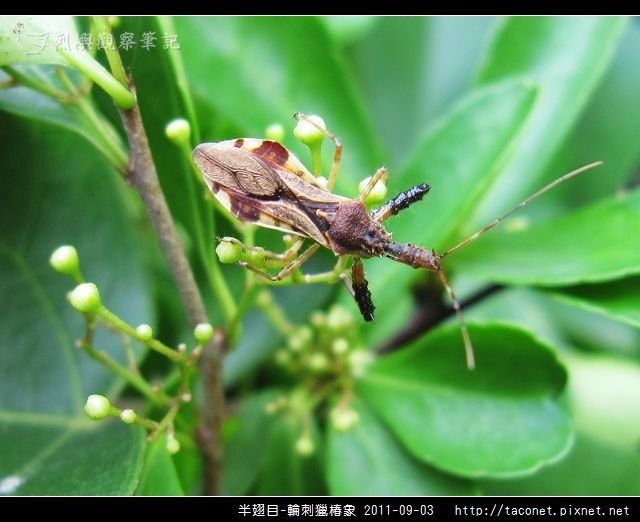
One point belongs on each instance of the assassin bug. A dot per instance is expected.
(261, 182)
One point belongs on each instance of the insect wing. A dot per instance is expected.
(256, 189)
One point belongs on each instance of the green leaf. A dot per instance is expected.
(597, 243)
(159, 476)
(59, 192)
(592, 468)
(458, 157)
(78, 117)
(420, 82)
(244, 449)
(58, 455)
(32, 39)
(284, 470)
(604, 460)
(259, 70)
(604, 395)
(599, 134)
(566, 57)
(502, 419)
(618, 300)
(369, 460)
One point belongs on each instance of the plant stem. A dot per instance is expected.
(136, 381)
(36, 85)
(113, 56)
(144, 177)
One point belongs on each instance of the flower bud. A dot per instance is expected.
(65, 260)
(178, 131)
(343, 418)
(86, 298)
(275, 132)
(308, 133)
(144, 332)
(97, 407)
(228, 252)
(129, 416)
(203, 333)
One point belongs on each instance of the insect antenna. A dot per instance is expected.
(544, 189)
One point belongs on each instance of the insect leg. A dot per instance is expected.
(283, 257)
(361, 292)
(379, 174)
(337, 152)
(468, 347)
(302, 258)
(400, 202)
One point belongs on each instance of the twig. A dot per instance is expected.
(143, 175)
(430, 312)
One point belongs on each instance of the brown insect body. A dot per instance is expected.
(260, 181)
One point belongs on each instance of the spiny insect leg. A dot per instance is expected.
(379, 174)
(400, 202)
(284, 257)
(361, 292)
(302, 258)
(337, 152)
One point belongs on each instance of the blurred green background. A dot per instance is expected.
(486, 111)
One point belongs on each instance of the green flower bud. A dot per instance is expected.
(377, 194)
(86, 298)
(203, 333)
(228, 252)
(343, 418)
(308, 133)
(305, 446)
(256, 257)
(65, 260)
(144, 332)
(178, 131)
(97, 407)
(318, 362)
(340, 346)
(358, 361)
(275, 132)
(129, 416)
(283, 357)
(339, 318)
(318, 319)
(173, 446)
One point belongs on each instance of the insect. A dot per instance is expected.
(261, 182)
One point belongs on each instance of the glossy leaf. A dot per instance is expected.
(368, 460)
(59, 455)
(619, 300)
(604, 461)
(597, 243)
(285, 471)
(244, 448)
(502, 419)
(566, 57)
(32, 39)
(48, 203)
(159, 476)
